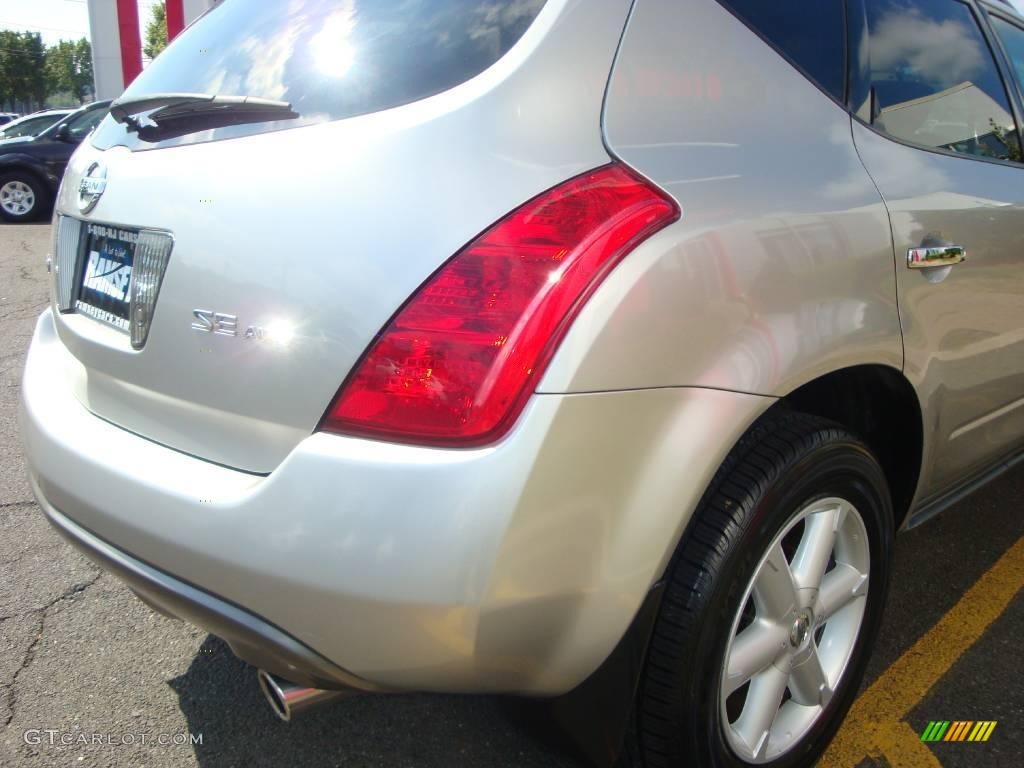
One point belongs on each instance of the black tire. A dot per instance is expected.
(40, 196)
(781, 465)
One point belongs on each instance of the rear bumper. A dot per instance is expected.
(252, 638)
(513, 568)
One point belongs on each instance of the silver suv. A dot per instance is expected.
(581, 350)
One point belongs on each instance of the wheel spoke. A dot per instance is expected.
(760, 709)
(841, 586)
(774, 591)
(752, 651)
(807, 682)
(812, 556)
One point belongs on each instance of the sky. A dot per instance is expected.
(55, 19)
(69, 20)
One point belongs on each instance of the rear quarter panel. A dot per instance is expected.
(781, 266)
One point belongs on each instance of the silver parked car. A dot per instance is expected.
(581, 350)
(32, 125)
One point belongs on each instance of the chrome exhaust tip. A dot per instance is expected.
(288, 699)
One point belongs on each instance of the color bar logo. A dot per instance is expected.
(958, 730)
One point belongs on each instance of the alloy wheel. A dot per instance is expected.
(17, 198)
(795, 631)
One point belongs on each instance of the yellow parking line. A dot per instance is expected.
(874, 727)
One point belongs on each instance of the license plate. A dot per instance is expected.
(105, 290)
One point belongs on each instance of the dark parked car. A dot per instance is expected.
(31, 167)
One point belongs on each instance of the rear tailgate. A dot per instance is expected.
(313, 237)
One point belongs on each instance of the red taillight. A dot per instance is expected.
(458, 362)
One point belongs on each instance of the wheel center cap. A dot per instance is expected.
(801, 629)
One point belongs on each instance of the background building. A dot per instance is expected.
(117, 42)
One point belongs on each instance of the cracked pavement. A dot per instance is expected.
(79, 653)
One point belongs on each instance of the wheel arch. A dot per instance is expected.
(879, 404)
(17, 164)
(46, 192)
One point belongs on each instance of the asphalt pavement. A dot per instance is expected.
(84, 662)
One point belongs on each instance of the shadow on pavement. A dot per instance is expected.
(221, 700)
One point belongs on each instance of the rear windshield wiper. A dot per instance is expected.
(197, 110)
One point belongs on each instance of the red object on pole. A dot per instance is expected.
(175, 18)
(131, 40)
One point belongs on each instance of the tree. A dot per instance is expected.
(60, 67)
(83, 78)
(22, 69)
(10, 47)
(35, 78)
(156, 30)
(69, 68)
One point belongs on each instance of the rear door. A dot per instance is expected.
(937, 131)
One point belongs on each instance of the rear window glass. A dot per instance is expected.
(332, 59)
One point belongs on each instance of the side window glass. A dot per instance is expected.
(80, 126)
(930, 79)
(1012, 37)
(810, 32)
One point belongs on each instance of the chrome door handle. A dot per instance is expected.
(939, 256)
